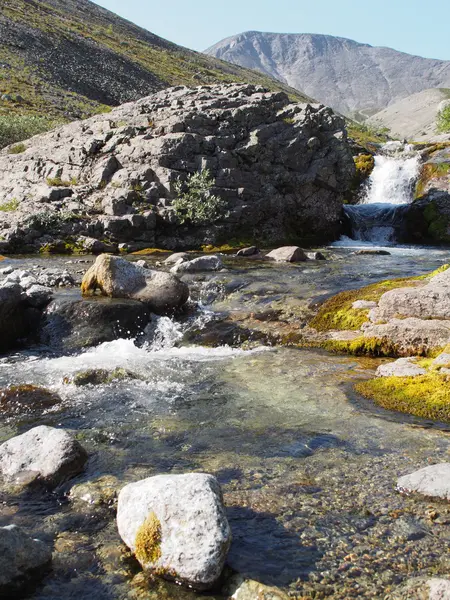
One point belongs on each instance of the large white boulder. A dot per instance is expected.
(432, 482)
(176, 526)
(42, 454)
(118, 278)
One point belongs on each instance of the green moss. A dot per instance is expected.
(426, 396)
(149, 251)
(148, 540)
(438, 224)
(61, 247)
(58, 182)
(10, 206)
(362, 346)
(364, 164)
(430, 171)
(99, 377)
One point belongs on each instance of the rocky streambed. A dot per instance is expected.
(308, 468)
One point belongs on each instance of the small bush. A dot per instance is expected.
(17, 149)
(16, 128)
(194, 201)
(443, 120)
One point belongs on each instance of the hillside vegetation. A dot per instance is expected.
(67, 59)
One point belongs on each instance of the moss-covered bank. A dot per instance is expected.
(426, 396)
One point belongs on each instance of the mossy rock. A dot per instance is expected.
(99, 377)
(438, 224)
(61, 247)
(430, 171)
(26, 399)
(426, 396)
(337, 312)
(364, 164)
(150, 251)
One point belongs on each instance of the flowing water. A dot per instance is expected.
(307, 467)
(390, 189)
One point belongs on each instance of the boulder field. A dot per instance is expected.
(280, 170)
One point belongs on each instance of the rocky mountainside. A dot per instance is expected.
(414, 117)
(279, 169)
(349, 76)
(70, 57)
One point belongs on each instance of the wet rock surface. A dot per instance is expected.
(73, 324)
(24, 561)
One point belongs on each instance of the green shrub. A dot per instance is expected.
(17, 149)
(16, 128)
(194, 201)
(443, 120)
(58, 182)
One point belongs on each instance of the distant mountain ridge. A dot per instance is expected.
(70, 57)
(347, 75)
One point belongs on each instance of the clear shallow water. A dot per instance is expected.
(308, 470)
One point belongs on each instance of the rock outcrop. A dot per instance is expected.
(281, 168)
(43, 455)
(176, 526)
(115, 277)
(23, 561)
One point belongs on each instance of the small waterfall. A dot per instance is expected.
(379, 215)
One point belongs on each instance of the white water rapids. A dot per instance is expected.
(389, 191)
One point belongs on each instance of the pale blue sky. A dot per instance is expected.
(412, 26)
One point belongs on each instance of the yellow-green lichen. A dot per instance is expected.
(426, 396)
(148, 540)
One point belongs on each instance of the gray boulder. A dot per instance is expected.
(115, 277)
(288, 254)
(120, 169)
(239, 588)
(70, 324)
(43, 455)
(38, 296)
(403, 367)
(24, 561)
(432, 482)
(197, 265)
(443, 360)
(176, 525)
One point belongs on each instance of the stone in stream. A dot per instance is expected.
(43, 455)
(73, 324)
(432, 482)
(99, 377)
(177, 256)
(197, 265)
(24, 561)
(250, 251)
(24, 400)
(239, 588)
(116, 277)
(370, 252)
(403, 367)
(288, 254)
(14, 322)
(176, 526)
